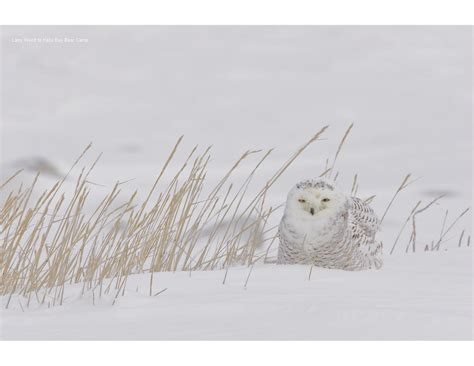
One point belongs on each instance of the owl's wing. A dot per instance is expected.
(364, 217)
(364, 225)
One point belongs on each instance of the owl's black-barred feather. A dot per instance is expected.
(364, 217)
(364, 224)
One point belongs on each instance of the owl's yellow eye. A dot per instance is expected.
(325, 200)
(301, 200)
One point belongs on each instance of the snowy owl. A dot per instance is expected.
(326, 228)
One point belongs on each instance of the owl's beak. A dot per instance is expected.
(311, 210)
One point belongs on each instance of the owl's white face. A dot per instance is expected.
(312, 203)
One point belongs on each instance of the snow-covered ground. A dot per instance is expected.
(133, 91)
(420, 296)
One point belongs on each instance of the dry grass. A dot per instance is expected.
(54, 240)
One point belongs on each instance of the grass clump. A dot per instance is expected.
(182, 225)
(54, 241)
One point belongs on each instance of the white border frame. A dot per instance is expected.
(245, 12)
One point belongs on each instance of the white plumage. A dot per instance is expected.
(324, 227)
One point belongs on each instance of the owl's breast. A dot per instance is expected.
(309, 235)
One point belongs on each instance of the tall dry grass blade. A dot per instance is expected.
(11, 178)
(370, 199)
(403, 226)
(460, 239)
(354, 185)
(248, 277)
(402, 186)
(339, 148)
(413, 219)
(438, 244)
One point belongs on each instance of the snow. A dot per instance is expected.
(417, 296)
(133, 91)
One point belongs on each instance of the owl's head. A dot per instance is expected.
(316, 199)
